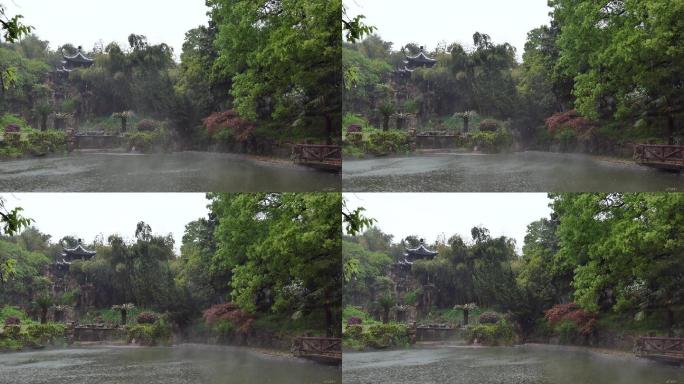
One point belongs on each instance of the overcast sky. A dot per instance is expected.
(84, 22)
(430, 215)
(429, 22)
(85, 215)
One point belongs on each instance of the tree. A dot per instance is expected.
(283, 59)
(625, 59)
(626, 251)
(284, 253)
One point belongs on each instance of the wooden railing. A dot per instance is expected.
(666, 348)
(319, 348)
(660, 156)
(327, 156)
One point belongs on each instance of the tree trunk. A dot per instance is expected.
(43, 316)
(329, 129)
(465, 317)
(385, 316)
(329, 322)
(670, 129)
(670, 322)
(124, 314)
(465, 125)
(385, 123)
(123, 125)
(43, 122)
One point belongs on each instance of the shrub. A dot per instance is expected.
(242, 321)
(46, 333)
(354, 321)
(491, 141)
(149, 334)
(382, 143)
(147, 125)
(385, 335)
(147, 318)
(12, 331)
(225, 330)
(489, 125)
(10, 311)
(488, 318)
(500, 333)
(241, 129)
(11, 320)
(410, 298)
(354, 332)
(561, 314)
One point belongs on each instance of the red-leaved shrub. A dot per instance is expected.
(147, 318)
(147, 125)
(242, 321)
(354, 321)
(11, 320)
(558, 313)
(488, 318)
(582, 127)
(489, 125)
(242, 129)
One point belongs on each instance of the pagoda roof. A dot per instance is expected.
(79, 58)
(420, 59)
(78, 253)
(418, 253)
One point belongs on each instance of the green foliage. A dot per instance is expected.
(385, 335)
(500, 333)
(284, 244)
(487, 141)
(299, 41)
(389, 142)
(149, 334)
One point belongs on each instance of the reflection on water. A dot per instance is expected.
(532, 364)
(184, 364)
(175, 172)
(513, 172)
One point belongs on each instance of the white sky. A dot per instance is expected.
(430, 215)
(429, 22)
(85, 215)
(84, 22)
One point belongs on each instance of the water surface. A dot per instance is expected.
(511, 172)
(184, 364)
(174, 172)
(505, 365)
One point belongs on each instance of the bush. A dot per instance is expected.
(500, 333)
(46, 333)
(147, 125)
(489, 318)
(354, 332)
(385, 335)
(12, 331)
(381, 143)
(582, 321)
(491, 141)
(489, 125)
(149, 334)
(9, 311)
(147, 318)
(410, 298)
(231, 312)
(354, 321)
(225, 330)
(11, 320)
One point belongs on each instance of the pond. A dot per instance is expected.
(512, 172)
(183, 364)
(532, 364)
(174, 172)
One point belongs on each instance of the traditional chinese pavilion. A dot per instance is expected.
(79, 253)
(419, 61)
(79, 60)
(419, 253)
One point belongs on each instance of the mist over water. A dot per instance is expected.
(175, 172)
(515, 365)
(511, 172)
(184, 364)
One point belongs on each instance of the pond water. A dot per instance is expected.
(184, 364)
(174, 172)
(533, 364)
(511, 172)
